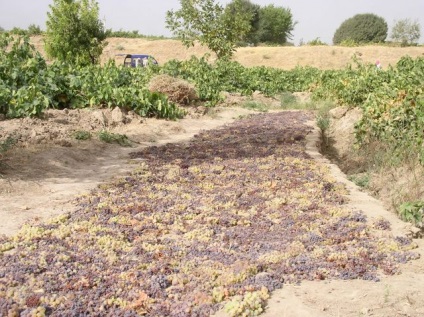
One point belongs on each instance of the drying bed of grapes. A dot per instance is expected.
(220, 221)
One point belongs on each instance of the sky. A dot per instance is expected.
(315, 18)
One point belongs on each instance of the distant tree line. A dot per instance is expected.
(32, 30)
(130, 34)
(75, 33)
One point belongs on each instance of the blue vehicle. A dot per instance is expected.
(138, 60)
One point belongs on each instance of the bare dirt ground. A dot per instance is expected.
(285, 57)
(42, 176)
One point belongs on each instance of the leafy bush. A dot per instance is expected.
(23, 75)
(28, 86)
(130, 34)
(362, 28)
(412, 212)
(316, 42)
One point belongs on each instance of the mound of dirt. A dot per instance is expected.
(64, 127)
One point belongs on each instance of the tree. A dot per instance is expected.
(34, 30)
(252, 37)
(362, 28)
(406, 32)
(275, 24)
(206, 22)
(74, 32)
(18, 31)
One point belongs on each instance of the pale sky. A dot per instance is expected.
(316, 18)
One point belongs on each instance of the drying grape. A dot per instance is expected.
(222, 220)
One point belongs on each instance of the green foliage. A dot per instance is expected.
(206, 22)
(362, 28)
(23, 73)
(255, 105)
(287, 99)
(28, 86)
(18, 31)
(109, 137)
(82, 135)
(211, 79)
(252, 37)
(7, 144)
(316, 42)
(349, 43)
(406, 32)
(361, 180)
(392, 102)
(275, 24)
(74, 32)
(412, 212)
(34, 30)
(130, 34)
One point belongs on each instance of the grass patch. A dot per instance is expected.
(5, 146)
(109, 137)
(362, 180)
(323, 116)
(288, 100)
(255, 105)
(82, 135)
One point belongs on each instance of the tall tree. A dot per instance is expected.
(252, 37)
(406, 32)
(74, 32)
(275, 24)
(205, 21)
(362, 28)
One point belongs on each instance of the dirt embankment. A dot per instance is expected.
(323, 57)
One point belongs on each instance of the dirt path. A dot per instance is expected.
(42, 180)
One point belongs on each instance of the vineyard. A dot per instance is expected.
(392, 100)
(220, 222)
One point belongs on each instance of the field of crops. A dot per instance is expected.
(392, 99)
(219, 222)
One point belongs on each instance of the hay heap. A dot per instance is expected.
(178, 90)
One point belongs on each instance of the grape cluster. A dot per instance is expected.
(228, 217)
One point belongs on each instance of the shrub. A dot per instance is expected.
(316, 42)
(362, 28)
(109, 137)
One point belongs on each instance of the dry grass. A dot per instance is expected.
(323, 57)
(178, 90)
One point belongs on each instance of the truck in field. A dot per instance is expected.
(137, 60)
